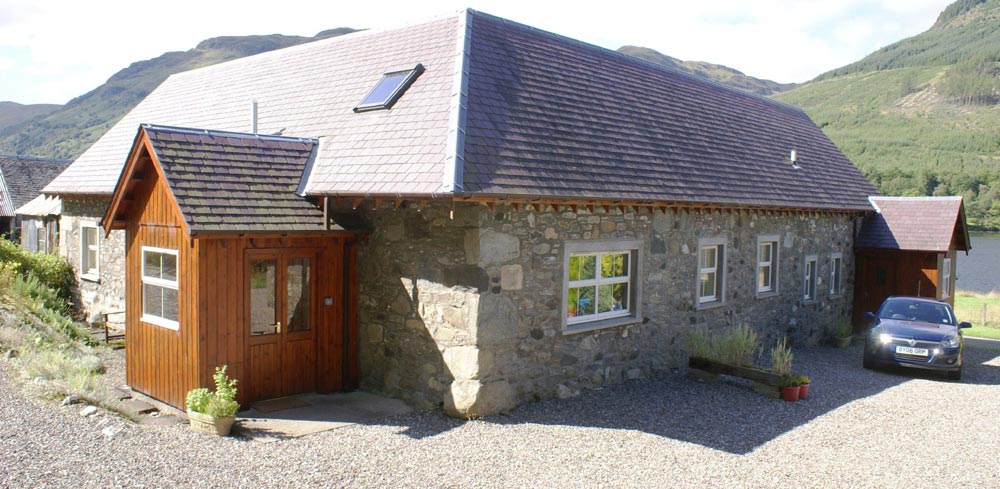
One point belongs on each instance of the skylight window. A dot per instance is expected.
(388, 90)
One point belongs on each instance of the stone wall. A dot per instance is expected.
(107, 293)
(520, 321)
(463, 311)
(417, 302)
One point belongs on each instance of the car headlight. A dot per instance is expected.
(949, 342)
(885, 338)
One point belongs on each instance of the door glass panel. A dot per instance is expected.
(263, 314)
(298, 294)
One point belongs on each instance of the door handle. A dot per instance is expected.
(277, 328)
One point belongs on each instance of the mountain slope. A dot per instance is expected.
(709, 71)
(921, 116)
(70, 130)
(13, 113)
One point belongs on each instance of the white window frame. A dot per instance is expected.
(836, 274)
(628, 315)
(810, 268)
(719, 269)
(92, 274)
(774, 241)
(945, 282)
(158, 282)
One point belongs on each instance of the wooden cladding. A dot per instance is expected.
(213, 315)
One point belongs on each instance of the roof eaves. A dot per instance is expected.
(6, 204)
(454, 161)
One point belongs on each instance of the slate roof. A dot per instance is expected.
(308, 90)
(503, 110)
(41, 206)
(22, 179)
(915, 224)
(235, 182)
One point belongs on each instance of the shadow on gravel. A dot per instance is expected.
(732, 418)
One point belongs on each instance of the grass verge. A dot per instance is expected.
(49, 354)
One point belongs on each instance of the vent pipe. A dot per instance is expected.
(253, 117)
(794, 157)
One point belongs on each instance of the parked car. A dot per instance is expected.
(916, 332)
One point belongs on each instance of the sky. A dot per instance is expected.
(54, 50)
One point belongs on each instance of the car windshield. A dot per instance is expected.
(915, 310)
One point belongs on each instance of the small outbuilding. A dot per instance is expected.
(227, 265)
(908, 247)
(40, 224)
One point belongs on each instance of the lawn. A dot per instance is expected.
(982, 310)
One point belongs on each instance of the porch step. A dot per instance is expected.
(138, 406)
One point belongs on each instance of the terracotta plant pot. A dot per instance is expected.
(204, 423)
(803, 391)
(790, 394)
(843, 342)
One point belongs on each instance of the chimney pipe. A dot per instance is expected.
(253, 117)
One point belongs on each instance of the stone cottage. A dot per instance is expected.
(533, 215)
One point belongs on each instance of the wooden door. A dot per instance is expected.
(281, 325)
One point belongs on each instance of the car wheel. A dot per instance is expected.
(866, 360)
(955, 374)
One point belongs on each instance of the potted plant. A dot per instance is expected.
(843, 334)
(213, 412)
(789, 386)
(804, 382)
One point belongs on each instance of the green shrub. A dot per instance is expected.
(843, 328)
(221, 403)
(51, 270)
(735, 346)
(197, 399)
(221, 408)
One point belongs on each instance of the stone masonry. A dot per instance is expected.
(107, 293)
(463, 311)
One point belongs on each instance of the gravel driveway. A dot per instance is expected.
(860, 429)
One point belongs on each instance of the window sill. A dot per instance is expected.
(596, 325)
(90, 277)
(163, 323)
(703, 306)
(766, 295)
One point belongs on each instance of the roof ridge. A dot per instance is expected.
(919, 197)
(639, 61)
(453, 176)
(219, 132)
(324, 41)
(35, 158)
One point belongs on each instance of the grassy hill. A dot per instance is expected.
(714, 72)
(68, 131)
(13, 113)
(921, 116)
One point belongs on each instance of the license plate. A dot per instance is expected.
(905, 350)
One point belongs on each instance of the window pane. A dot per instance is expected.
(152, 300)
(708, 257)
(91, 265)
(298, 294)
(263, 316)
(614, 265)
(585, 301)
(571, 302)
(612, 297)
(707, 284)
(152, 265)
(588, 265)
(169, 303)
(384, 89)
(765, 252)
(764, 278)
(574, 268)
(168, 266)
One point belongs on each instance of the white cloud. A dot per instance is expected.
(67, 47)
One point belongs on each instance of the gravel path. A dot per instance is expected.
(860, 429)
